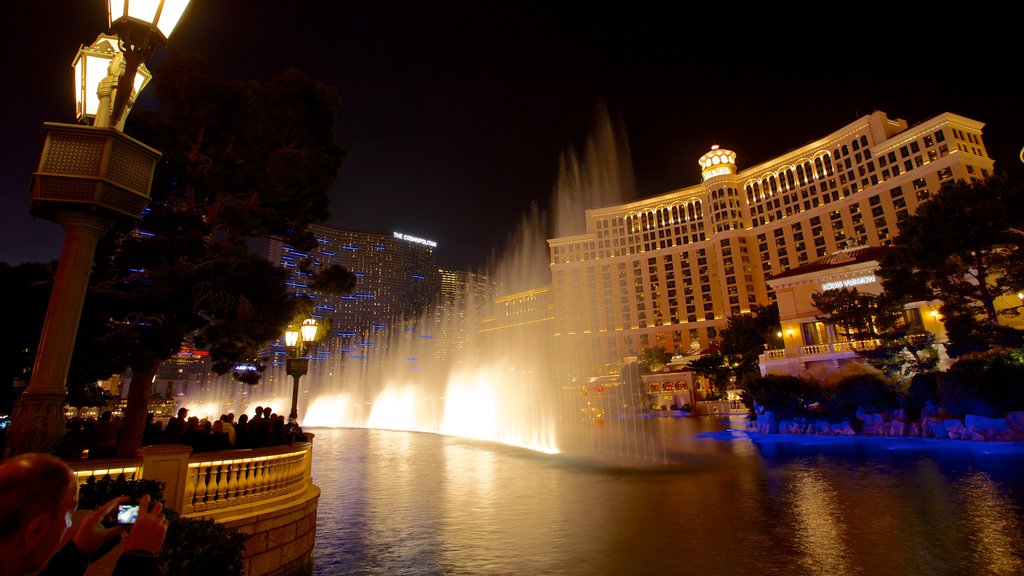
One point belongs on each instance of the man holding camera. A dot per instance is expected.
(38, 493)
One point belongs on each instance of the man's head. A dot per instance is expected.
(38, 493)
(182, 412)
(259, 411)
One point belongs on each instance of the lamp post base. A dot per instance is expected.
(37, 423)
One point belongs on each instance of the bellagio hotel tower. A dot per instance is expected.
(670, 269)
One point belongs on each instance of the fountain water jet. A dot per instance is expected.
(507, 381)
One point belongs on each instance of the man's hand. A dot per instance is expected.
(148, 533)
(93, 535)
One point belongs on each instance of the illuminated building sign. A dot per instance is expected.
(848, 283)
(409, 238)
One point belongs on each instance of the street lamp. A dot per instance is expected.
(88, 179)
(97, 70)
(297, 366)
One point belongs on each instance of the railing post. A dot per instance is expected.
(167, 463)
(308, 474)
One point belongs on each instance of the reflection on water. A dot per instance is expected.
(415, 503)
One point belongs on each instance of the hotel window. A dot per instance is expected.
(940, 136)
(928, 141)
(915, 147)
(945, 173)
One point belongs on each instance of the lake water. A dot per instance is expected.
(707, 501)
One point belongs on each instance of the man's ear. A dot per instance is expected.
(37, 528)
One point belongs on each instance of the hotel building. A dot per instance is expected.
(670, 269)
(396, 279)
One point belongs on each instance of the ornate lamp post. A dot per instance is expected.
(297, 366)
(88, 179)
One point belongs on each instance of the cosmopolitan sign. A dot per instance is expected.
(849, 282)
(409, 238)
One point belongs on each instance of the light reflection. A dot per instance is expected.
(992, 524)
(820, 530)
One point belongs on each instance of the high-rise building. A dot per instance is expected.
(396, 279)
(669, 270)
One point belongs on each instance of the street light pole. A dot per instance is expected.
(297, 366)
(89, 178)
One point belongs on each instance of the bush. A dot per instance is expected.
(986, 384)
(786, 396)
(872, 392)
(95, 493)
(869, 391)
(201, 548)
(923, 388)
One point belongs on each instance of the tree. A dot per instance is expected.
(963, 247)
(713, 368)
(852, 313)
(902, 350)
(745, 337)
(241, 160)
(653, 358)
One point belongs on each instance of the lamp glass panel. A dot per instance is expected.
(116, 9)
(308, 330)
(170, 15)
(79, 88)
(291, 337)
(142, 78)
(144, 10)
(96, 69)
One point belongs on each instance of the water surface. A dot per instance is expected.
(703, 501)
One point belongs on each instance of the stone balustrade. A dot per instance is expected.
(267, 493)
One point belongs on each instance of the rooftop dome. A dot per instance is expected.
(717, 162)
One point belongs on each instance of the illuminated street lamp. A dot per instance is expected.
(88, 179)
(297, 366)
(97, 69)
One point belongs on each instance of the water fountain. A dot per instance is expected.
(508, 385)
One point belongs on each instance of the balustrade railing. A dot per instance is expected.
(225, 479)
(206, 483)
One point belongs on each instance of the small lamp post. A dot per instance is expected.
(297, 366)
(88, 179)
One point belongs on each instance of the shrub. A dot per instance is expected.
(986, 383)
(923, 388)
(786, 396)
(95, 493)
(872, 392)
(201, 548)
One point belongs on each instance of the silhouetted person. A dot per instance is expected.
(174, 432)
(242, 432)
(104, 439)
(153, 433)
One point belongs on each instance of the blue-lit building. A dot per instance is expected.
(396, 279)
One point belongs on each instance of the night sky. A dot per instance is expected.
(455, 114)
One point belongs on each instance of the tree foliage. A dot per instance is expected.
(901, 349)
(651, 359)
(963, 247)
(745, 337)
(241, 160)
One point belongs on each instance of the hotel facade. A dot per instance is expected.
(669, 270)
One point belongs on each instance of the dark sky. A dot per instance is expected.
(455, 114)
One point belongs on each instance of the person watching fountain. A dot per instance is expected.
(38, 493)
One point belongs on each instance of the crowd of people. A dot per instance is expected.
(89, 438)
